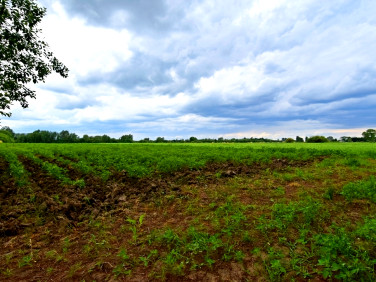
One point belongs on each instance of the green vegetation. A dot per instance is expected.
(6, 137)
(362, 189)
(281, 211)
(317, 139)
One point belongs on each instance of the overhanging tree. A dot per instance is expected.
(24, 57)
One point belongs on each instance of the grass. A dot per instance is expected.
(162, 212)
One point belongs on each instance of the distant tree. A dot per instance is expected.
(193, 139)
(127, 138)
(44, 136)
(106, 139)
(346, 139)
(289, 140)
(160, 140)
(85, 139)
(299, 139)
(317, 139)
(63, 136)
(96, 139)
(358, 139)
(24, 58)
(66, 137)
(369, 135)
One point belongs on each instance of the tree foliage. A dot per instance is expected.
(317, 139)
(299, 139)
(6, 137)
(24, 57)
(127, 138)
(369, 135)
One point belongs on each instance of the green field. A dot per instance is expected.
(188, 212)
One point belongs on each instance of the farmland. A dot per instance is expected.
(188, 212)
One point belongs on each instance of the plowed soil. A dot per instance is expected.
(39, 218)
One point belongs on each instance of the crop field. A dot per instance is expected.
(188, 212)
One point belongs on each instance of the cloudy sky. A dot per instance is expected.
(208, 68)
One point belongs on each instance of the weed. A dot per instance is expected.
(172, 262)
(32, 198)
(274, 266)
(95, 245)
(329, 194)
(8, 257)
(135, 224)
(256, 251)
(296, 214)
(228, 251)
(73, 269)
(230, 216)
(239, 256)
(146, 259)
(353, 162)
(339, 257)
(120, 269)
(57, 199)
(362, 189)
(25, 261)
(53, 254)
(367, 230)
(246, 238)
(8, 272)
(66, 244)
(198, 242)
(288, 177)
(170, 238)
(279, 191)
(123, 255)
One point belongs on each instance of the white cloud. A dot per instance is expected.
(123, 106)
(83, 48)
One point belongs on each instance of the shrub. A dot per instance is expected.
(317, 139)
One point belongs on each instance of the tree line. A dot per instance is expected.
(43, 136)
(7, 135)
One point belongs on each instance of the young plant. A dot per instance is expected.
(134, 226)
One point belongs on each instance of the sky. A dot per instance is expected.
(208, 68)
